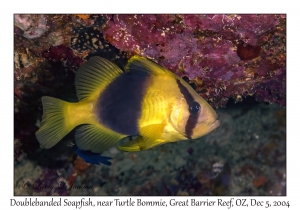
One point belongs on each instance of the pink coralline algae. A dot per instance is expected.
(226, 56)
(33, 26)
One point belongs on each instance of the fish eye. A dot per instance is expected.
(194, 108)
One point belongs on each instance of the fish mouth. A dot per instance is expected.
(214, 125)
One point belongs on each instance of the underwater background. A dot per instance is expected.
(236, 62)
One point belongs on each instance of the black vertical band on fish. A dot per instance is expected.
(119, 105)
(193, 117)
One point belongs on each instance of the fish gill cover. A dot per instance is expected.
(223, 57)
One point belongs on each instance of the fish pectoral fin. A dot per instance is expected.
(152, 135)
(153, 131)
(96, 138)
(150, 143)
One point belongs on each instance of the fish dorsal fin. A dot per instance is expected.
(93, 76)
(141, 64)
(96, 138)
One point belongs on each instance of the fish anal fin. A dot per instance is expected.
(96, 138)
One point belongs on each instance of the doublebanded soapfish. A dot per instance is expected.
(147, 101)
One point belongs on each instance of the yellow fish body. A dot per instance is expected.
(146, 100)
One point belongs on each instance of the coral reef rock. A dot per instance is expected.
(225, 55)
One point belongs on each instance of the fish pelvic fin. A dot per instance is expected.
(141, 143)
(134, 145)
(150, 137)
(59, 118)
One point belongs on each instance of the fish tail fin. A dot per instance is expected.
(56, 121)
